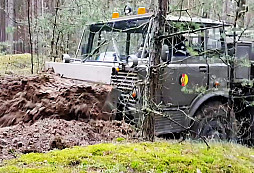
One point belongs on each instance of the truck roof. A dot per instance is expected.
(129, 22)
(172, 18)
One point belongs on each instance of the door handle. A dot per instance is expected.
(203, 69)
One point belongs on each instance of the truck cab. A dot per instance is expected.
(192, 64)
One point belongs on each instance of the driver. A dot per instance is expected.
(180, 48)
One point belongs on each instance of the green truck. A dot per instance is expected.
(194, 80)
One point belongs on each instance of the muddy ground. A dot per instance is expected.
(42, 112)
(47, 134)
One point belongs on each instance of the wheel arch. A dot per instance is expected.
(199, 101)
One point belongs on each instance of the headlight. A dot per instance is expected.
(132, 60)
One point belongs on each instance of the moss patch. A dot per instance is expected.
(139, 157)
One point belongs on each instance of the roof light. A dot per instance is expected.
(115, 15)
(141, 10)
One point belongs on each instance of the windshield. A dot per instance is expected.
(114, 41)
(113, 46)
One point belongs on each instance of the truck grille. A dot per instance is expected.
(125, 81)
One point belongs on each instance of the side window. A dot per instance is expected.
(213, 39)
(195, 43)
(186, 46)
(180, 43)
(177, 46)
(215, 46)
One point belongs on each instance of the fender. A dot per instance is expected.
(202, 98)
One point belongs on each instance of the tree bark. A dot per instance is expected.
(54, 30)
(10, 24)
(157, 31)
(30, 34)
(240, 12)
(225, 10)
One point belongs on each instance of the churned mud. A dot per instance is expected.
(42, 112)
(28, 99)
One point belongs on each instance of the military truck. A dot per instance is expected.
(194, 73)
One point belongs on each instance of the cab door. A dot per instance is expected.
(183, 81)
(186, 75)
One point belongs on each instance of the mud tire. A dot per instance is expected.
(212, 122)
(246, 130)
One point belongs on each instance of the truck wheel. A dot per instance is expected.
(212, 123)
(246, 130)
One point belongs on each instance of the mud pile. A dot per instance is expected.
(48, 134)
(43, 112)
(28, 99)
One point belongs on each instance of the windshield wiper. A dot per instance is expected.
(116, 50)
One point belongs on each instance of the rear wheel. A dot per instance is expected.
(246, 130)
(212, 122)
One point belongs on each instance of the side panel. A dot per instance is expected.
(180, 82)
(170, 123)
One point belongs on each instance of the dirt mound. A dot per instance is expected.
(28, 99)
(48, 134)
(43, 112)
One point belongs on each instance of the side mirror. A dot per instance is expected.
(66, 58)
(132, 61)
(165, 54)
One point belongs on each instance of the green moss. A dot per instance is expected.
(139, 157)
(120, 139)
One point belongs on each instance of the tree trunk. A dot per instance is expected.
(225, 10)
(10, 25)
(240, 13)
(54, 30)
(157, 30)
(30, 34)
